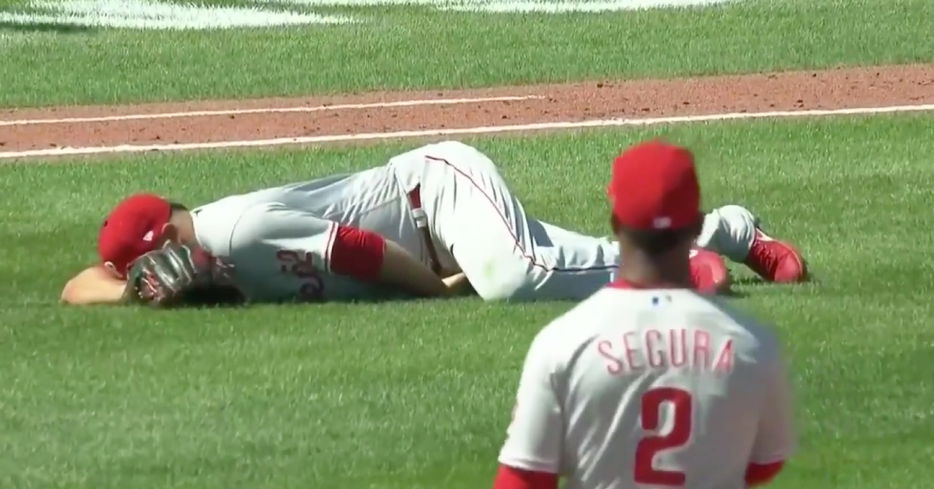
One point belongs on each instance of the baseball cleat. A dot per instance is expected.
(775, 260)
(709, 272)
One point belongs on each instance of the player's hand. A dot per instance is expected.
(162, 277)
(457, 284)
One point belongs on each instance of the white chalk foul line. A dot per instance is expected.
(127, 148)
(270, 110)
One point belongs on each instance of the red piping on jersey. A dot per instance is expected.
(513, 478)
(357, 253)
(518, 243)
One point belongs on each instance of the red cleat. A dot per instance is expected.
(709, 272)
(775, 260)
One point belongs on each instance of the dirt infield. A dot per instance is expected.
(383, 112)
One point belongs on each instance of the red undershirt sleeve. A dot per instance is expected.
(357, 253)
(513, 478)
(758, 474)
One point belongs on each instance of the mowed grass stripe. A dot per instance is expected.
(49, 66)
(417, 394)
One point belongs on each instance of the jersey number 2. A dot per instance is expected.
(680, 433)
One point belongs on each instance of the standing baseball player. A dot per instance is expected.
(441, 210)
(647, 384)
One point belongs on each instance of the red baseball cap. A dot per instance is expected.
(654, 187)
(132, 229)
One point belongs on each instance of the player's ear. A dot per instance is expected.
(697, 227)
(112, 269)
(614, 224)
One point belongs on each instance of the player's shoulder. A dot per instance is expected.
(585, 318)
(264, 220)
(560, 340)
(214, 223)
(715, 313)
(238, 213)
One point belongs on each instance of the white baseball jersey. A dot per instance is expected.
(280, 239)
(651, 389)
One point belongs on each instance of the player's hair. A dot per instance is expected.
(213, 295)
(175, 206)
(655, 243)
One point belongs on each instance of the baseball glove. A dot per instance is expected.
(165, 277)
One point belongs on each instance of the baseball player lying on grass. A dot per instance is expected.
(435, 221)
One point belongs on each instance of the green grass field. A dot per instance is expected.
(395, 47)
(418, 394)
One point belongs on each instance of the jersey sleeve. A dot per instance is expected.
(279, 231)
(513, 478)
(775, 438)
(535, 435)
(281, 253)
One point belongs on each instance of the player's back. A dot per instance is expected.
(340, 198)
(659, 388)
(369, 199)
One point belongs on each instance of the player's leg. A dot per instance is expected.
(505, 253)
(730, 231)
(734, 232)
